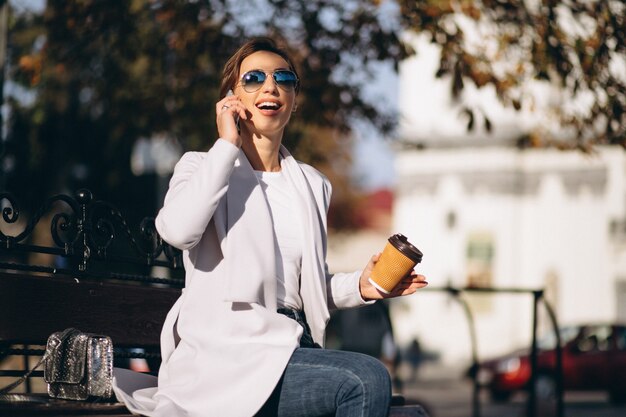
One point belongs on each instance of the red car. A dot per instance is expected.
(594, 358)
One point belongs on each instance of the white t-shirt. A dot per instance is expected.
(280, 196)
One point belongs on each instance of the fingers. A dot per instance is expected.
(409, 285)
(228, 111)
(370, 266)
(413, 277)
(416, 281)
(375, 257)
(232, 105)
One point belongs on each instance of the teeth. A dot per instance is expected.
(268, 104)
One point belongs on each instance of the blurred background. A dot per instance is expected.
(491, 133)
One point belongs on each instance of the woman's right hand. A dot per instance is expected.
(228, 110)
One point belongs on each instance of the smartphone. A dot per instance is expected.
(230, 93)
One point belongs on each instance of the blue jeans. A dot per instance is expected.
(324, 382)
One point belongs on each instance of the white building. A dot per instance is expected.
(486, 213)
(505, 218)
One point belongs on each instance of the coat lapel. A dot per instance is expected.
(312, 281)
(249, 239)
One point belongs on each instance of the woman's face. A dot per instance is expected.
(269, 108)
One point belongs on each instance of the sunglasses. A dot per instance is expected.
(251, 81)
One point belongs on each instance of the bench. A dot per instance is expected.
(32, 307)
(36, 301)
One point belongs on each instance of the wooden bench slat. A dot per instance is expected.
(33, 307)
(43, 406)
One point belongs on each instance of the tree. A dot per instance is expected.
(104, 74)
(574, 45)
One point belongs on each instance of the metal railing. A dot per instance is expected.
(87, 233)
(91, 239)
(538, 298)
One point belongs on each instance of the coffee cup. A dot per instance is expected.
(398, 258)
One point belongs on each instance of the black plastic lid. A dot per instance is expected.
(401, 243)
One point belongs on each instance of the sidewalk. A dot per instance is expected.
(444, 392)
(441, 390)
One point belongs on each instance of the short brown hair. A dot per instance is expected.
(230, 75)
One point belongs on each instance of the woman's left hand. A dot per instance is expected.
(409, 284)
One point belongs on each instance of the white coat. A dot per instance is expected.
(233, 346)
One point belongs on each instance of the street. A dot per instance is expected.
(444, 393)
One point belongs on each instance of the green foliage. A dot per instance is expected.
(571, 44)
(107, 73)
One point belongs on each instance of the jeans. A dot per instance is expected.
(324, 382)
(306, 341)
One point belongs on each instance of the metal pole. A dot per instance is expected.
(558, 372)
(26, 362)
(474, 345)
(532, 395)
(84, 198)
(4, 23)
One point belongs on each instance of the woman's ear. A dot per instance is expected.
(295, 107)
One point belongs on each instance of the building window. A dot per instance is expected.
(451, 220)
(480, 259)
(480, 251)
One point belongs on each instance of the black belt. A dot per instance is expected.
(306, 341)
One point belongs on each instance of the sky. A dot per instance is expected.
(28, 5)
(373, 156)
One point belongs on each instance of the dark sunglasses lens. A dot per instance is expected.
(253, 80)
(286, 79)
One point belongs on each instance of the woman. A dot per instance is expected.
(244, 337)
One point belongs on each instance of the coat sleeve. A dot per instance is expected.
(343, 290)
(199, 181)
